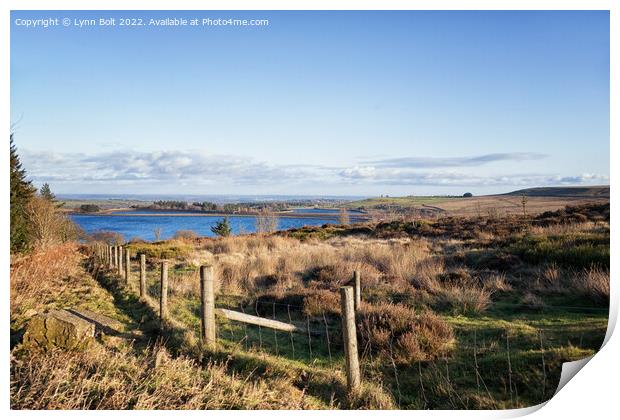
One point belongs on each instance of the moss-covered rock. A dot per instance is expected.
(59, 328)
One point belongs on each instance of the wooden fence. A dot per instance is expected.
(118, 260)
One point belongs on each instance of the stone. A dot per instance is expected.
(102, 323)
(59, 328)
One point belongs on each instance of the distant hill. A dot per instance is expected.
(597, 191)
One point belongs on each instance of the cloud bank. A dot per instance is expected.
(198, 168)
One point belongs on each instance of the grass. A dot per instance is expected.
(475, 313)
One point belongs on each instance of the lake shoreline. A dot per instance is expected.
(172, 213)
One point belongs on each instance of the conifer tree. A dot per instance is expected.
(46, 192)
(22, 192)
(222, 228)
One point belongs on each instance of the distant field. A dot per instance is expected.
(104, 204)
(538, 200)
(409, 201)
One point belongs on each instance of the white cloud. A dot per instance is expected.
(180, 167)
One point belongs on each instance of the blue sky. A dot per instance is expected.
(328, 103)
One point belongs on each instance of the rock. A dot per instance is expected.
(30, 313)
(59, 328)
(102, 323)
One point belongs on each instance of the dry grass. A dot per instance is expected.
(249, 264)
(105, 379)
(38, 277)
(594, 283)
(465, 299)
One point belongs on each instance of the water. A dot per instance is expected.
(144, 226)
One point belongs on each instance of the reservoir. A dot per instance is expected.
(143, 223)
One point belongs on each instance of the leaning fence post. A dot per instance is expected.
(163, 295)
(350, 338)
(358, 289)
(142, 275)
(120, 261)
(207, 298)
(127, 265)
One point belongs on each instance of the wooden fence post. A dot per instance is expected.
(127, 265)
(350, 338)
(120, 261)
(113, 256)
(110, 259)
(142, 275)
(163, 295)
(207, 298)
(358, 290)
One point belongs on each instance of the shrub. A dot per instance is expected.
(396, 331)
(47, 224)
(111, 238)
(185, 234)
(319, 302)
(266, 222)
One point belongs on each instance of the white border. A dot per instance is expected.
(592, 394)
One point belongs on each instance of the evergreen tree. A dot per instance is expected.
(46, 192)
(222, 228)
(22, 192)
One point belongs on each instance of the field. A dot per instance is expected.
(457, 313)
(538, 200)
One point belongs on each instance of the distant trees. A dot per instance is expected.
(222, 228)
(468, 194)
(22, 192)
(89, 208)
(171, 204)
(206, 206)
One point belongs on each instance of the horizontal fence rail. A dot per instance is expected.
(118, 261)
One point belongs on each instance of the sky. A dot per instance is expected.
(314, 103)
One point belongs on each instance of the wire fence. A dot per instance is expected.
(494, 365)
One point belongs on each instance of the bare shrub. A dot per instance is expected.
(266, 222)
(343, 217)
(47, 224)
